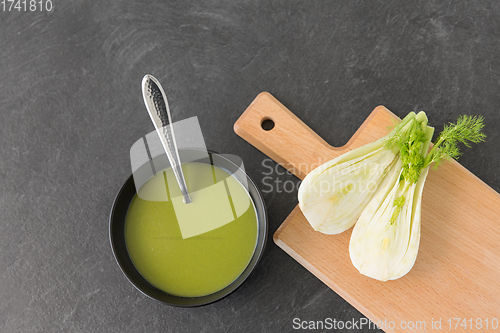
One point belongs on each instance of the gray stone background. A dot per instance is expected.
(71, 107)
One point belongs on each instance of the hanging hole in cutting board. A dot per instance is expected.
(267, 124)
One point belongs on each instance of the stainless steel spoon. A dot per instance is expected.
(157, 105)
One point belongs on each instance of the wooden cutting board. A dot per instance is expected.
(457, 271)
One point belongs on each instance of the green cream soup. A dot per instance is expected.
(195, 249)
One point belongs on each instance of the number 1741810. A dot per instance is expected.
(26, 5)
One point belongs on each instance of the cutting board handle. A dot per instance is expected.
(273, 129)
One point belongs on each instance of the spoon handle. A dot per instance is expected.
(157, 105)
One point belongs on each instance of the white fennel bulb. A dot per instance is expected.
(333, 195)
(378, 187)
(385, 240)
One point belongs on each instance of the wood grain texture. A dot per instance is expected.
(457, 269)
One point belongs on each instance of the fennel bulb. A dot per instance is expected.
(385, 240)
(378, 187)
(333, 195)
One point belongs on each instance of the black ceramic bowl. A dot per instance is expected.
(117, 233)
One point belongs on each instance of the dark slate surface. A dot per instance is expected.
(71, 107)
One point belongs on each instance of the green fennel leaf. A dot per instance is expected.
(467, 129)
